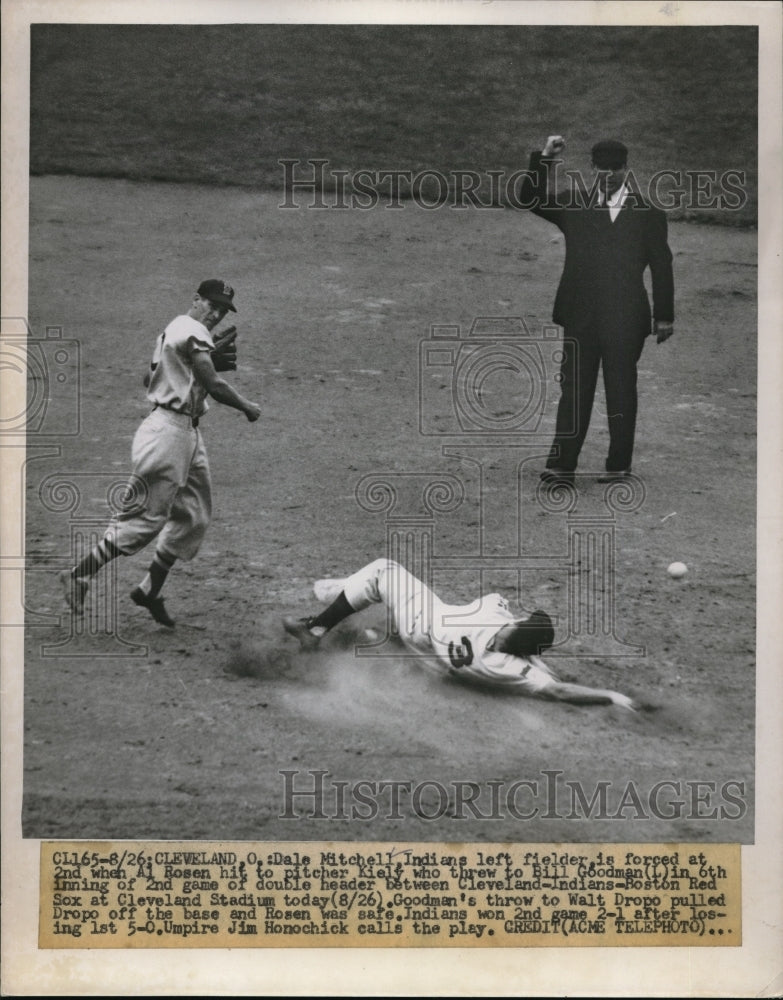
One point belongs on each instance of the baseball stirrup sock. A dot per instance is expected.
(157, 573)
(329, 617)
(103, 552)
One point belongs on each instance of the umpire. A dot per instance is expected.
(611, 238)
(174, 498)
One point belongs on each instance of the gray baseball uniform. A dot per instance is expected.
(168, 451)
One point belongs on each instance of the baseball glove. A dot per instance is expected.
(224, 353)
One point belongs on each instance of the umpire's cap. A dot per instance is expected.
(531, 637)
(217, 291)
(609, 154)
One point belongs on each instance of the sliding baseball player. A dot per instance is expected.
(481, 642)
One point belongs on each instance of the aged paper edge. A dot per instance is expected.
(752, 969)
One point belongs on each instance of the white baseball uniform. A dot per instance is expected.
(168, 452)
(456, 638)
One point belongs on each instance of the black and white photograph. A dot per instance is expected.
(398, 448)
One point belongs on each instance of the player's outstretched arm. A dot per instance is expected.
(205, 374)
(578, 694)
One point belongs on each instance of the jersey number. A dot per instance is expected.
(462, 655)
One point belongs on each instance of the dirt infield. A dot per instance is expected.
(132, 731)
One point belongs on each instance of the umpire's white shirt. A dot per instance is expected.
(615, 202)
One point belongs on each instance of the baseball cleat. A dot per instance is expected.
(154, 605)
(328, 590)
(74, 591)
(299, 629)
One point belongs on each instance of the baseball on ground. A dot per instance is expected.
(677, 569)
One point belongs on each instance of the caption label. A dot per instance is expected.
(174, 895)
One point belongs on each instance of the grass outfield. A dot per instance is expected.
(223, 104)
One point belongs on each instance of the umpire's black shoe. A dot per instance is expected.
(614, 477)
(154, 605)
(554, 476)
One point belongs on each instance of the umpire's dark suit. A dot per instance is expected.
(603, 307)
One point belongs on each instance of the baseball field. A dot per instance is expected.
(153, 169)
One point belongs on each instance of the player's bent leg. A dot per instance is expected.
(134, 534)
(190, 512)
(183, 536)
(75, 582)
(134, 528)
(180, 538)
(161, 454)
(411, 602)
(187, 518)
(369, 585)
(328, 589)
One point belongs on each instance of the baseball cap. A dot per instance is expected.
(218, 291)
(609, 154)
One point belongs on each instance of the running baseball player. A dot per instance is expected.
(170, 466)
(480, 642)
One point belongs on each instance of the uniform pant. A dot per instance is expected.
(171, 488)
(584, 353)
(411, 602)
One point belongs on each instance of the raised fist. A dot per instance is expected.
(555, 145)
